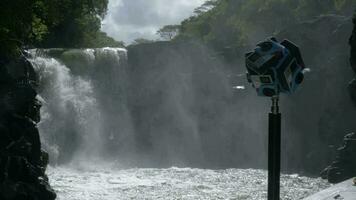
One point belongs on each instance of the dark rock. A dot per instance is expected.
(22, 162)
(352, 43)
(344, 166)
(323, 97)
(158, 71)
(352, 90)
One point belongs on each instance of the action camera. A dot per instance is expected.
(275, 68)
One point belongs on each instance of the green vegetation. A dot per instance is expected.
(233, 23)
(168, 32)
(142, 41)
(52, 23)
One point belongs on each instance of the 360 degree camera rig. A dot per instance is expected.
(274, 68)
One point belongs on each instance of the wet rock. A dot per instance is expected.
(323, 96)
(352, 43)
(22, 162)
(352, 90)
(344, 166)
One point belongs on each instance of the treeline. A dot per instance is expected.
(52, 23)
(234, 23)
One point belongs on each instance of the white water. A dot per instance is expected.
(70, 104)
(70, 114)
(66, 100)
(174, 184)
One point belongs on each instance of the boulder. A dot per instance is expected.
(352, 90)
(344, 166)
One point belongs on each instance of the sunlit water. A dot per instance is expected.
(174, 183)
(71, 115)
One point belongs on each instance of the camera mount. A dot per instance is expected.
(274, 68)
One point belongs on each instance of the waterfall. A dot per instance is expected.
(138, 110)
(74, 124)
(151, 108)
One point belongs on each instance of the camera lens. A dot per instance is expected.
(265, 79)
(265, 46)
(299, 79)
(268, 92)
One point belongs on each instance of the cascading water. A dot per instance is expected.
(95, 115)
(72, 124)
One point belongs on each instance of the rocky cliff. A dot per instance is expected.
(185, 109)
(344, 165)
(22, 162)
(176, 104)
(182, 107)
(319, 115)
(352, 85)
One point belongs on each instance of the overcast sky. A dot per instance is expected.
(130, 19)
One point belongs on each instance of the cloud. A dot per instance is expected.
(130, 19)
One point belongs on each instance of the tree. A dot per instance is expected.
(103, 40)
(51, 23)
(168, 32)
(236, 23)
(206, 6)
(14, 28)
(142, 41)
(72, 23)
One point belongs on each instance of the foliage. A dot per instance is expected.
(14, 28)
(103, 40)
(168, 32)
(206, 6)
(52, 23)
(235, 23)
(142, 41)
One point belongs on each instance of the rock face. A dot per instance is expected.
(344, 166)
(22, 162)
(174, 85)
(352, 85)
(182, 106)
(319, 114)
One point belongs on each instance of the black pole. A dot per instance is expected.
(274, 151)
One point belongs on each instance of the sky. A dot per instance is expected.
(128, 20)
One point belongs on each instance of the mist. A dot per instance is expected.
(176, 104)
(182, 104)
(122, 99)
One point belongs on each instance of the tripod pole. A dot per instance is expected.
(274, 151)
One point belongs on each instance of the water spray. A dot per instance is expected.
(274, 68)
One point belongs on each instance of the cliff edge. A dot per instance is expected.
(22, 162)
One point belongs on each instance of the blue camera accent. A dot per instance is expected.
(275, 68)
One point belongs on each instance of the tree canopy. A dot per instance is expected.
(142, 41)
(52, 23)
(233, 23)
(168, 32)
